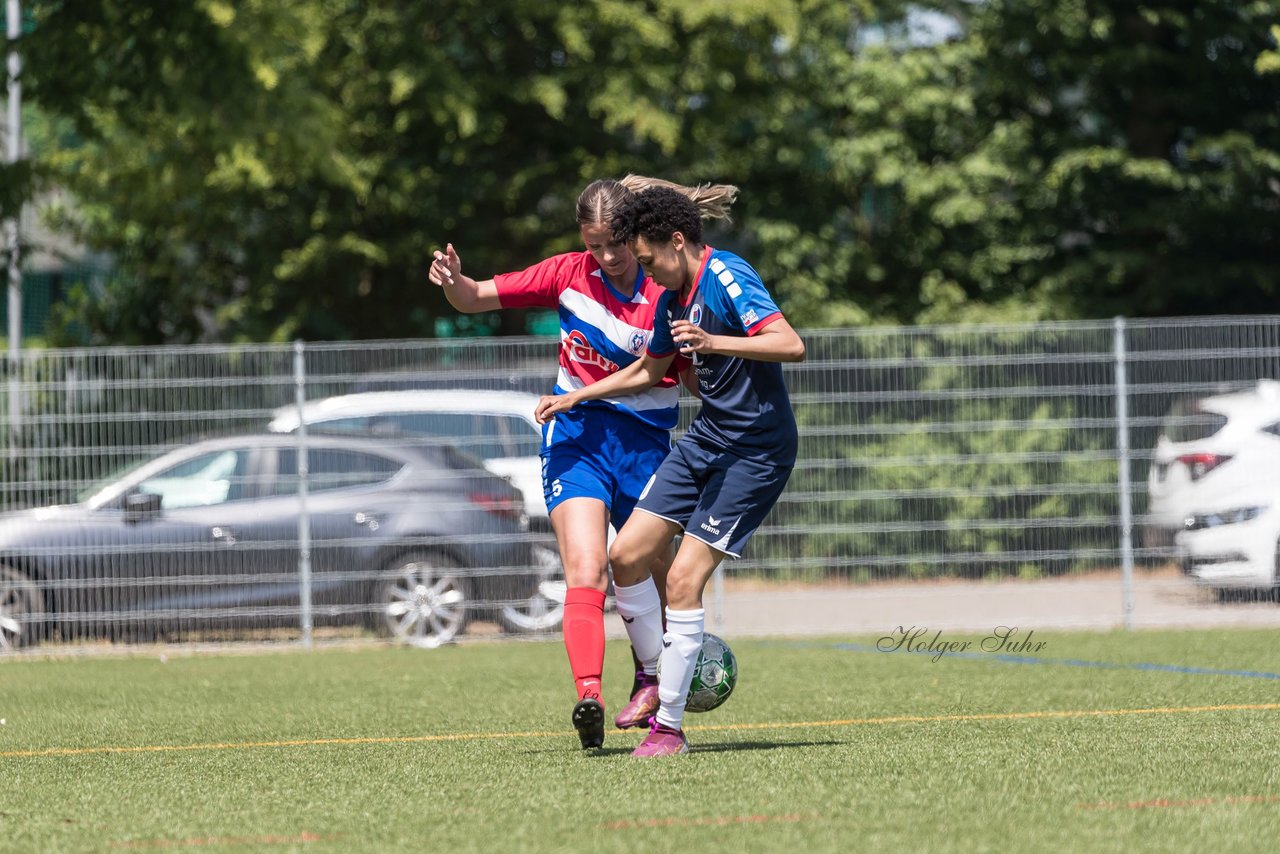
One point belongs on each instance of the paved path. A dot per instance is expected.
(1164, 600)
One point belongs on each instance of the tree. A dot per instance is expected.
(183, 132)
(1161, 149)
(292, 178)
(278, 168)
(1071, 159)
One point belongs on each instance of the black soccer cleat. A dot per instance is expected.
(588, 720)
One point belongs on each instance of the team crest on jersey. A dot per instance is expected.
(695, 314)
(638, 342)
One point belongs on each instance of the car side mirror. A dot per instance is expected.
(140, 506)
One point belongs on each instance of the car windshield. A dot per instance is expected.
(211, 478)
(1187, 422)
(116, 474)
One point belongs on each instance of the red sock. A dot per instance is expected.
(584, 638)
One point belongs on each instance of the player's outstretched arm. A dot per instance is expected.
(777, 342)
(641, 374)
(463, 292)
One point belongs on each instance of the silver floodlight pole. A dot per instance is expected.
(13, 153)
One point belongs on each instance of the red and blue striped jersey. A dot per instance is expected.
(601, 330)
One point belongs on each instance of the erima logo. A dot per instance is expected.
(628, 622)
(712, 525)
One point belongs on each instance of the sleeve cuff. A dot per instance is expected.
(763, 322)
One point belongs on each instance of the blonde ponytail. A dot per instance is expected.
(713, 200)
(601, 199)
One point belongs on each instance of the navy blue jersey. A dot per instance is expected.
(745, 407)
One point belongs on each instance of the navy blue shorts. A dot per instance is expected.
(597, 452)
(718, 498)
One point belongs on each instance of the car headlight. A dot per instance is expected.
(1200, 521)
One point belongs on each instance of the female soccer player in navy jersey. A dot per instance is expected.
(728, 470)
(596, 459)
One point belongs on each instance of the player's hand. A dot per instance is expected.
(550, 404)
(689, 337)
(446, 268)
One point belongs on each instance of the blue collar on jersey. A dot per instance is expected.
(619, 294)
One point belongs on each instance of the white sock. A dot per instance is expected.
(682, 644)
(641, 612)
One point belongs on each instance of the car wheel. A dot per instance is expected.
(540, 606)
(423, 600)
(21, 610)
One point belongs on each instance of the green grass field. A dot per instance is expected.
(825, 746)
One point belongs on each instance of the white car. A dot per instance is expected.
(498, 427)
(1215, 484)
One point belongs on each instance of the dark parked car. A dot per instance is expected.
(411, 540)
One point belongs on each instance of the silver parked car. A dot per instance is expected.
(411, 540)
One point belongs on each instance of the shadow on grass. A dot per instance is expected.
(730, 746)
(721, 747)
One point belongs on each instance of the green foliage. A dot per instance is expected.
(1156, 144)
(937, 455)
(277, 168)
(16, 186)
(1269, 61)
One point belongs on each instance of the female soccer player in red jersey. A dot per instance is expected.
(596, 459)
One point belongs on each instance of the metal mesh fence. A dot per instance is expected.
(1018, 452)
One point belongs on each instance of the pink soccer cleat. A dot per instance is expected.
(643, 706)
(662, 741)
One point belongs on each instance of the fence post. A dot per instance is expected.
(1126, 498)
(304, 518)
(13, 154)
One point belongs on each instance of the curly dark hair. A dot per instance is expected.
(656, 214)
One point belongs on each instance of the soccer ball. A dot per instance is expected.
(714, 675)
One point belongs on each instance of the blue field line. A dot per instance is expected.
(1005, 658)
